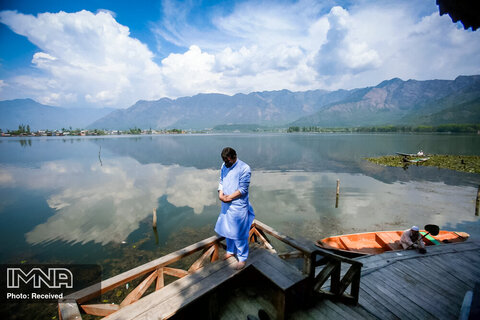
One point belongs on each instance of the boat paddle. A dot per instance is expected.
(431, 229)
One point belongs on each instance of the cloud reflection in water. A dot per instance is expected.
(107, 203)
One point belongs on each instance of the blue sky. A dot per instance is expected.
(114, 53)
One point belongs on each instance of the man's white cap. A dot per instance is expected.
(414, 228)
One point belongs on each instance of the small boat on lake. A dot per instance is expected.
(417, 160)
(414, 157)
(359, 244)
(418, 154)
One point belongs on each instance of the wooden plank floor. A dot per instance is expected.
(394, 285)
(408, 285)
(194, 295)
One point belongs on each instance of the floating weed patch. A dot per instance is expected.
(470, 164)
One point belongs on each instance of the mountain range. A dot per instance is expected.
(42, 117)
(397, 102)
(392, 102)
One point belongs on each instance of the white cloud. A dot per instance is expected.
(190, 72)
(344, 53)
(88, 58)
(271, 45)
(411, 47)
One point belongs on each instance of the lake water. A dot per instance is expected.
(90, 200)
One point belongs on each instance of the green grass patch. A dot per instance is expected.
(470, 164)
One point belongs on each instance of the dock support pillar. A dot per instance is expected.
(154, 217)
(338, 193)
(477, 203)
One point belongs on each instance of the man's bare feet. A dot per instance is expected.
(228, 255)
(240, 265)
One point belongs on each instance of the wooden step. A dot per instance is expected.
(290, 282)
(278, 271)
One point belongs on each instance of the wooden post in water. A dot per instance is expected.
(477, 203)
(155, 218)
(338, 193)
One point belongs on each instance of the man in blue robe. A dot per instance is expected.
(236, 215)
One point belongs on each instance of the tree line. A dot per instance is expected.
(453, 128)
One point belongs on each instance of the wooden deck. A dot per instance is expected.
(393, 285)
(205, 286)
(199, 286)
(408, 285)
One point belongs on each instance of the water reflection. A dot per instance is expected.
(303, 203)
(106, 203)
(25, 142)
(103, 190)
(315, 153)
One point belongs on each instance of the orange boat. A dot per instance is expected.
(359, 244)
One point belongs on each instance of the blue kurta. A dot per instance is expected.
(236, 216)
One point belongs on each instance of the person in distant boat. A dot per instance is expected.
(411, 239)
(236, 215)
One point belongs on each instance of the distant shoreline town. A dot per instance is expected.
(25, 131)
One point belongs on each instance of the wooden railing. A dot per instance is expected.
(151, 271)
(313, 258)
(155, 270)
(259, 233)
(338, 284)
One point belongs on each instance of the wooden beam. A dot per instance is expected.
(202, 260)
(160, 280)
(265, 242)
(101, 309)
(335, 278)
(109, 284)
(138, 292)
(345, 298)
(330, 255)
(347, 279)
(251, 235)
(259, 231)
(309, 264)
(299, 246)
(325, 273)
(291, 255)
(179, 273)
(68, 310)
(355, 289)
(215, 253)
(284, 238)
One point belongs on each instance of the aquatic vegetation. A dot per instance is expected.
(470, 164)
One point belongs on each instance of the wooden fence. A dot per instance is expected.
(152, 271)
(317, 257)
(155, 270)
